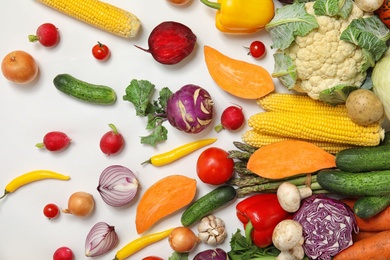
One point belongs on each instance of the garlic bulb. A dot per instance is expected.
(212, 230)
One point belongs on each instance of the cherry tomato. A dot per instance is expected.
(100, 51)
(214, 167)
(257, 49)
(51, 210)
(152, 258)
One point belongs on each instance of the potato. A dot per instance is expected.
(364, 107)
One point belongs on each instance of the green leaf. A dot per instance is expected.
(139, 93)
(289, 22)
(336, 95)
(165, 93)
(285, 70)
(179, 256)
(368, 33)
(159, 134)
(331, 8)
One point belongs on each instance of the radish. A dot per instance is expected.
(54, 141)
(232, 118)
(112, 142)
(63, 253)
(47, 34)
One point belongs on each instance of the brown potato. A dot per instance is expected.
(364, 107)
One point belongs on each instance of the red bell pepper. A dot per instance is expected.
(260, 214)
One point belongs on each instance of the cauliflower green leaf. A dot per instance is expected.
(336, 95)
(289, 22)
(368, 33)
(340, 8)
(285, 70)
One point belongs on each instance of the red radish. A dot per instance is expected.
(112, 142)
(170, 42)
(63, 253)
(232, 118)
(47, 34)
(54, 141)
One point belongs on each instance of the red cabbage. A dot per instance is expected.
(190, 109)
(327, 226)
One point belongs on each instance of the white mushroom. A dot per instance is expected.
(288, 238)
(289, 196)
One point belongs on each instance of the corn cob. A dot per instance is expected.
(298, 103)
(257, 139)
(99, 14)
(313, 127)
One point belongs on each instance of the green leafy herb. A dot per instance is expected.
(140, 94)
(179, 256)
(289, 22)
(368, 33)
(243, 249)
(336, 95)
(331, 8)
(285, 70)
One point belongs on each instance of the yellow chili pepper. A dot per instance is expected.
(140, 243)
(242, 16)
(179, 152)
(31, 177)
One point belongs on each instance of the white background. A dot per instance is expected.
(30, 111)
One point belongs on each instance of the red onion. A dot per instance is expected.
(117, 185)
(190, 109)
(212, 254)
(327, 226)
(101, 239)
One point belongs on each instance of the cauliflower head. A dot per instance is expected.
(322, 60)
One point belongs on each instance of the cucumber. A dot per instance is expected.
(96, 94)
(376, 183)
(369, 206)
(208, 203)
(364, 159)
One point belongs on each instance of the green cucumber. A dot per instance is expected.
(376, 183)
(369, 206)
(96, 94)
(208, 203)
(364, 159)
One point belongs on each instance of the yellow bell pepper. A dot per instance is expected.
(242, 16)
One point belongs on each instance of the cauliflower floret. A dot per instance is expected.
(323, 60)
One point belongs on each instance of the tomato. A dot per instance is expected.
(214, 166)
(179, 2)
(152, 258)
(257, 49)
(51, 210)
(19, 67)
(100, 51)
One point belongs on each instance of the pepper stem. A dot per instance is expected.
(211, 4)
(248, 232)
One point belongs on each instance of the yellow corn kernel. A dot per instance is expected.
(298, 103)
(99, 14)
(314, 127)
(257, 139)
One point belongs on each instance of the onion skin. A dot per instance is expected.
(117, 185)
(101, 239)
(212, 254)
(19, 67)
(182, 239)
(80, 204)
(190, 109)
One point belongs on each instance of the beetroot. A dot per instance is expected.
(170, 42)
(54, 141)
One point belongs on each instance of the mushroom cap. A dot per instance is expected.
(287, 234)
(289, 197)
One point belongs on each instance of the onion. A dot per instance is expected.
(190, 109)
(117, 185)
(80, 204)
(212, 254)
(182, 239)
(327, 226)
(101, 239)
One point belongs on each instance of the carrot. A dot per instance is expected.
(375, 247)
(239, 78)
(162, 199)
(289, 158)
(379, 222)
(362, 235)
